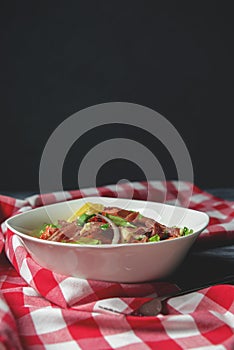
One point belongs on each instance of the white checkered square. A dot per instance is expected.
(181, 185)
(186, 303)
(30, 292)
(158, 185)
(227, 317)
(209, 347)
(198, 198)
(24, 209)
(68, 345)
(75, 289)
(61, 196)
(122, 339)
(180, 326)
(16, 242)
(4, 227)
(216, 214)
(90, 191)
(111, 187)
(112, 303)
(3, 306)
(25, 272)
(19, 203)
(138, 186)
(48, 319)
(229, 226)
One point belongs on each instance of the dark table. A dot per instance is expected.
(201, 267)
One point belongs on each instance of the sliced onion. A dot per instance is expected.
(116, 235)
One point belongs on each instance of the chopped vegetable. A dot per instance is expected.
(88, 208)
(49, 232)
(154, 238)
(104, 227)
(95, 224)
(83, 219)
(120, 221)
(86, 240)
(42, 229)
(116, 235)
(185, 231)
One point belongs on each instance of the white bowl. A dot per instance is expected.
(126, 263)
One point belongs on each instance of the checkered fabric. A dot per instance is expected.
(43, 310)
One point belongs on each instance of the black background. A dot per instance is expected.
(60, 57)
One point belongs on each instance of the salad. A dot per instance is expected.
(95, 224)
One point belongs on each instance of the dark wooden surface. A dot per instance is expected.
(214, 264)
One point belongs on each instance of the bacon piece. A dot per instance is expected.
(70, 230)
(143, 221)
(174, 232)
(142, 240)
(139, 234)
(158, 229)
(117, 212)
(165, 232)
(67, 232)
(132, 216)
(93, 230)
(96, 219)
(124, 213)
(110, 210)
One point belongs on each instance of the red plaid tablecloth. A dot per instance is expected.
(43, 310)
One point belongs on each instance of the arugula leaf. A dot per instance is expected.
(120, 221)
(104, 227)
(185, 231)
(86, 240)
(83, 219)
(154, 238)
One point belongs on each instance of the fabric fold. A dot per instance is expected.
(69, 291)
(41, 309)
